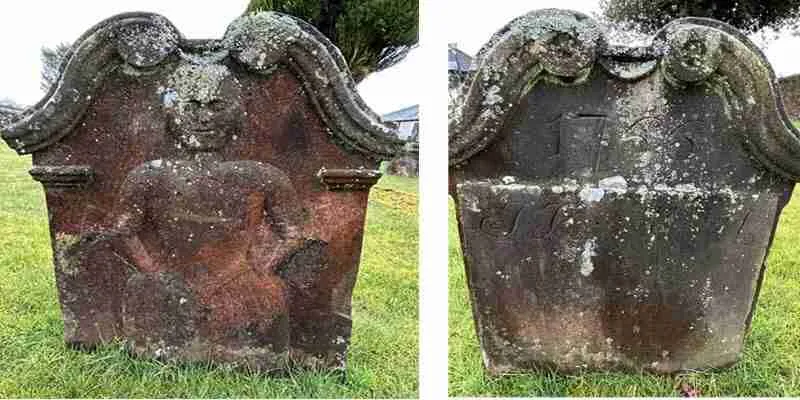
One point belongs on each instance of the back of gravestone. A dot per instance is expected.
(616, 204)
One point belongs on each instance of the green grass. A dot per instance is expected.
(770, 365)
(35, 363)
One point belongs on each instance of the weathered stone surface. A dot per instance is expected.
(790, 93)
(616, 205)
(206, 198)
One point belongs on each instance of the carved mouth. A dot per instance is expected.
(203, 132)
(202, 137)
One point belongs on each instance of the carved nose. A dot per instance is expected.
(205, 115)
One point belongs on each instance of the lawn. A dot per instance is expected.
(770, 365)
(35, 363)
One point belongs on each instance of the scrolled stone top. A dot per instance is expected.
(258, 41)
(564, 46)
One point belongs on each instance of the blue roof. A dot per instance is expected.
(459, 61)
(405, 114)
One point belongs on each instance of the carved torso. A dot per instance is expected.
(221, 228)
(220, 211)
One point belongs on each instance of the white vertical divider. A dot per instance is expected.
(433, 202)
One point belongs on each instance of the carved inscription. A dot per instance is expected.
(583, 141)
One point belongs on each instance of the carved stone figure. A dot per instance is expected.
(206, 198)
(616, 204)
(221, 230)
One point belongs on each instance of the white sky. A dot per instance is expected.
(28, 25)
(397, 87)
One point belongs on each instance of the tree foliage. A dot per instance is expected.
(371, 34)
(746, 15)
(51, 64)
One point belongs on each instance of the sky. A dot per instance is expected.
(29, 25)
(396, 87)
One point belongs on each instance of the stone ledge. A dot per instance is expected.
(348, 179)
(63, 176)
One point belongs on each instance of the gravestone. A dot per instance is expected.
(206, 198)
(407, 163)
(616, 204)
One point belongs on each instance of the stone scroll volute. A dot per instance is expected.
(206, 197)
(616, 204)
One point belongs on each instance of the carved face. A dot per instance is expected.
(203, 106)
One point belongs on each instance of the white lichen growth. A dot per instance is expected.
(591, 194)
(616, 184)
(587, 265)
(196, 82)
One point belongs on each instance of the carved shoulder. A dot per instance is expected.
(264, 174)
(147, 173)
(273, 176)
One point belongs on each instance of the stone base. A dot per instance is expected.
(657, 279)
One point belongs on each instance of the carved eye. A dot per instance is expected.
(216, 105)
(192, 106)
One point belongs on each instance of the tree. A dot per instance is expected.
(747, 15)
(51, 64)
(371, 34)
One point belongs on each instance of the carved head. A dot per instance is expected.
(203, 106)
